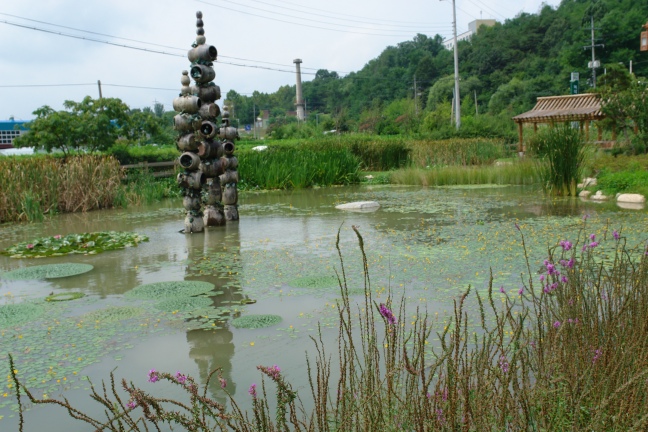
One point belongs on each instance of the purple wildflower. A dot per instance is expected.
(592, 237)
(616, 235)
(570, 263)
(542, 278)
(180, 377)
(272, 371)
(556, 324)
(153, 376)
(593, 244)
(563, 279)
(597, 355)
(385, 312)
(131, 404)
(520, 291)
(502, 289)
(503, 364)
(252, 391)
(585, 216)
(57, 236)
(30, 246)
(223, 382)
(566, 245)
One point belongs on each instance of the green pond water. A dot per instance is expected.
(427, 244)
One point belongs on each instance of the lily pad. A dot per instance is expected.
(314, 282)
(85, 243)
(64, 296)
(48, 271)
(16, 314)
(114, 314)
(170, 290)
(256, 321)
(183, 304)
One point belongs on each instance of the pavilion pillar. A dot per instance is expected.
(587, 125)
(520, 138)
(535, 127)
(600, 132)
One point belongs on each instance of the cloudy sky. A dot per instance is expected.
(56, 50)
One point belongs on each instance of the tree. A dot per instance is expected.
(90, 125)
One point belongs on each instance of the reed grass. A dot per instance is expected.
(33, 187)
(295, 168)
(561, 150)
(517, 173)
(568, 352)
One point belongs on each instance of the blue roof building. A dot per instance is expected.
(10, 129)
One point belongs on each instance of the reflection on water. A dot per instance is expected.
(426, 243)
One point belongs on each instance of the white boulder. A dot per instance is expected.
(598, 196)
(359, 205)
(587, 181)
(584, 194)
(631, 198)
(260, 148)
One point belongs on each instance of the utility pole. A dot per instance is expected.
(457, 98)
(415, 97)
(594, 63)
(99, 85)
(254, 122)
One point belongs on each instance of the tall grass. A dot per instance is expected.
(563, 150)
(140, 186)
(568, 351)
(518, 173)
(460, 152)
(32, 187)
(294, 167)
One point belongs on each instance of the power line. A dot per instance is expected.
(300, 24)
(348, 15)
(138, 41)
(139, 48)
(336, 16)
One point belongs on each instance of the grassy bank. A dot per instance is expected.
(565, 349)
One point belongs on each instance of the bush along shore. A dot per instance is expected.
(566, 351)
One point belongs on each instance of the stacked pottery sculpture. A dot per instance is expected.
(208, 150)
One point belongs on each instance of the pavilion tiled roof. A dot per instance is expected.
(580, 107)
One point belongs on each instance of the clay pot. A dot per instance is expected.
(191, 202)
(187, 143)
(228, 147)
(229, 176)
(193, 224)
(209, 111)
(189, 161)
(193, 180)
(229, 133)
(185, 123)
(231, 213)
(206, 53)
(230, 195)
(213, 216)
(207, 93)
(202, 74)
(209, 149)
(212, 168)
(208, 130)
(214, 194)
(187, 104)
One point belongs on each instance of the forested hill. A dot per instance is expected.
(506, 66)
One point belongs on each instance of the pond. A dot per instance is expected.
(427, 244)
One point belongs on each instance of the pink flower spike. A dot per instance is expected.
(57, 237)
(30, 246)
(556, 324)
(616, 235)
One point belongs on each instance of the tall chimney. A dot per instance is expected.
(301, 115)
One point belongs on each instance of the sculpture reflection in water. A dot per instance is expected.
(217, 253)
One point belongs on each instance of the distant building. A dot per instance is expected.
(9, 131)
(472, 29)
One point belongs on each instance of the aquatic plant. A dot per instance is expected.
(183, 304)
(20, 313)
(256, 321)
(84, 243)
(47, 271)
(67, 296)
(171, 289)
(113, 314)
(318, 281)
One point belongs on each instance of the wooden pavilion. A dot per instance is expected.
(582, 108)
